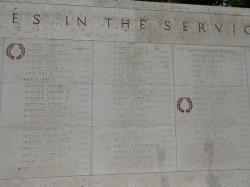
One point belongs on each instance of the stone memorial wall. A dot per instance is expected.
(119, 93)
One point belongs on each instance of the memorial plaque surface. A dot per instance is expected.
(110, 93)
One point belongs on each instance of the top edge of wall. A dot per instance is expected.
(142, 5)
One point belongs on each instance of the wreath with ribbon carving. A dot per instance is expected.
(11, 46)
(190, 107)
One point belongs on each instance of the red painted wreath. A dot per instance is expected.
(10, 47)
(190, 107)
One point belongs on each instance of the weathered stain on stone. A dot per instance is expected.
(213, 180)
(209, 149)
